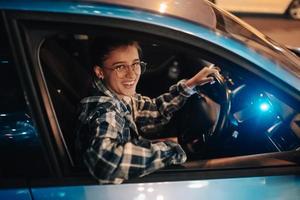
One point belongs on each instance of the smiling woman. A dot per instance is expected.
(119, 68)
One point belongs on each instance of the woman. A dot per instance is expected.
(112, 118)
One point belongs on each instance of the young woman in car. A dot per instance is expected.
(112, 118)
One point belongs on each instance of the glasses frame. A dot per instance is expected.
(132, 67)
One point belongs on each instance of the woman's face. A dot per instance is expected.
(125, 84)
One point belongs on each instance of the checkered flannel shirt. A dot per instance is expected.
(108, 138)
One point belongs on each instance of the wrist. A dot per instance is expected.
(190, 83)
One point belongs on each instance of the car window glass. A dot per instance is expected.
(20, 148)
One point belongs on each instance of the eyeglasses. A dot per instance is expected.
(122, 69)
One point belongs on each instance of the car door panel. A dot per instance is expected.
(233, 188)
(15, 194)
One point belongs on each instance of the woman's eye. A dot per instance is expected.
(136, 64)
(120, 67)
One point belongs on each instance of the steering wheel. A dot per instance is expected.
(193, 140)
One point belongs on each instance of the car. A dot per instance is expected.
(295, 50)
(289, 7)
(250, 150)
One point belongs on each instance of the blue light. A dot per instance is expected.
(264, 107)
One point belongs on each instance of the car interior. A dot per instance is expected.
(238, 115)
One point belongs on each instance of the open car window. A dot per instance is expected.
(256, 119)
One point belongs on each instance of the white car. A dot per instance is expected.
(290, 7)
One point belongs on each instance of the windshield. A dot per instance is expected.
(239, 30)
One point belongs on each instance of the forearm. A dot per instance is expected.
(155, 112)
(122, 162)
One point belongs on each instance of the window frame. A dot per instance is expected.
(18, 174)
(21, 26)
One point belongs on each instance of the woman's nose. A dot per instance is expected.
(130, 72)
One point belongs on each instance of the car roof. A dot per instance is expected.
(200, 12)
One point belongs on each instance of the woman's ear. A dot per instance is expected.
(98, 72)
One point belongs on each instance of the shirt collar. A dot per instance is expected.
(99, 86)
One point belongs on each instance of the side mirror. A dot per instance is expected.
(16, 129)
(295, 50)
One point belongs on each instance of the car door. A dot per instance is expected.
(20, 147)
(51, 46)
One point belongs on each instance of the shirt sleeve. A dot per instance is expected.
(111, 159)
(158, 111)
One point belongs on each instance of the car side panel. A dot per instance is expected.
(15, 194)
(272, 187)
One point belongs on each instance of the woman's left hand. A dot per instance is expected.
(205, 75)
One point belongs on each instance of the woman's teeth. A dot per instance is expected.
(129, 83)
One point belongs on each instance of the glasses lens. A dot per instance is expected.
(122, 72)
(138, 68)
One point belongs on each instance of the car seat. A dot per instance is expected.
(68, 82)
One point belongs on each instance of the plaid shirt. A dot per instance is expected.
(108, 136)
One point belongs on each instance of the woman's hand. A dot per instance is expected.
(203, 76)
(169, 139)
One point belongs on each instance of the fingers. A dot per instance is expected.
(206, 80)
(210, 70)
(217, 68)
(205, 75)
(212, 66)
